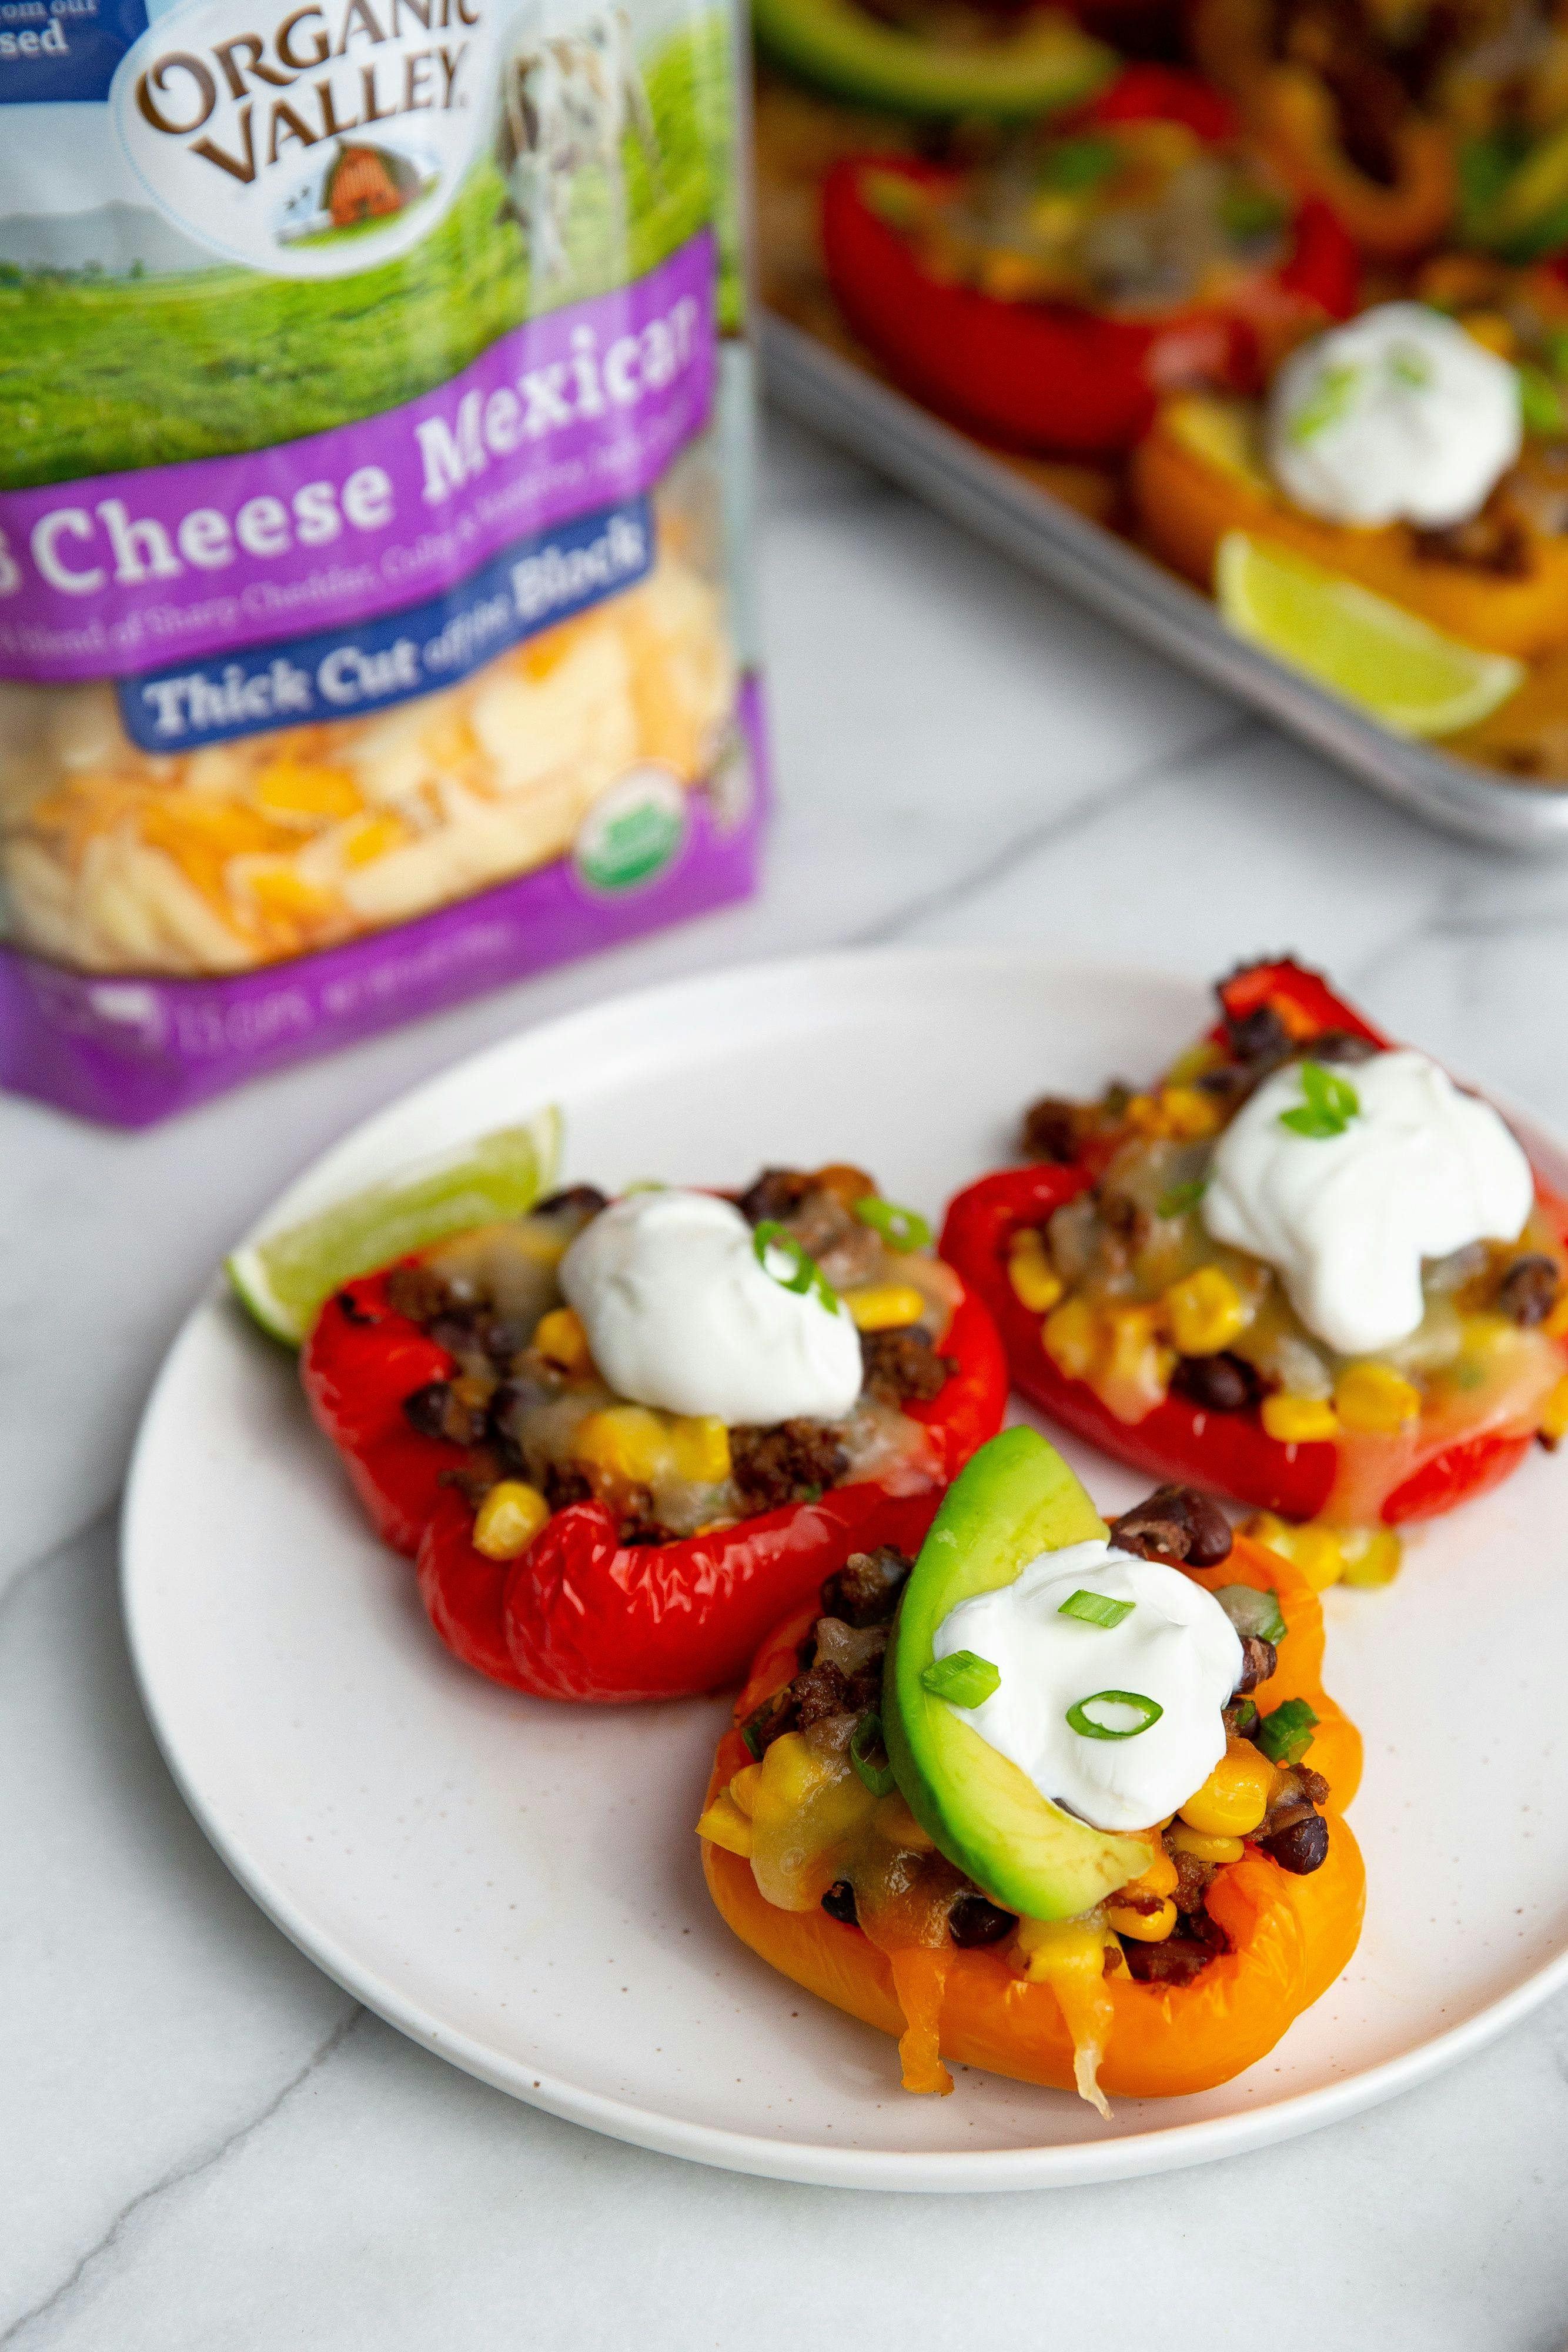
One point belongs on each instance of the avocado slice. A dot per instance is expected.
(1016, 1499)
(1047, 64)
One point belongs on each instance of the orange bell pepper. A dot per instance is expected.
(1292, 111)
(1289, 1937)
(1195, 477)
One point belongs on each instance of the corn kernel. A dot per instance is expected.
(1050, 1948)
(1144, 1926)
(508, 1519)
(1203, 1845)
(1159, 1878)
(1072, 1337)
(724, 1824)
(897, 1825)
(1376, 1398)
(792, 1774)
(743, 1788)
(1035, 1282)
(627, 1442)
(1206, 1312)
(1144, 1115)
(1318, 1550)
(1299, 1420)
(1492, 331)
(560, 1340)
(1137, 1370)
(1195, 1063)
(1189, 1113)
(700, 1445)
(885, 1306)
(1235, 1797)
(1555, 1413)
(1371, 1555)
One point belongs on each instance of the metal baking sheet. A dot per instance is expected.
(1046, 536)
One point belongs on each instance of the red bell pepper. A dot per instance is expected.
(579, 1615)
(1056, 375)
(1228, 1452)
(360, 1363)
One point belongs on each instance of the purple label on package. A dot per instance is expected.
(575, 411)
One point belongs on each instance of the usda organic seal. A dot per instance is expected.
(632, 832)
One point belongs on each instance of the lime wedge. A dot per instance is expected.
(283, 1280)
(1415, 678)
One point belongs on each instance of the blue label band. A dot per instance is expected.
(64, 49)
(344, 673)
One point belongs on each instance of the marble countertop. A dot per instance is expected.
(205, 2142)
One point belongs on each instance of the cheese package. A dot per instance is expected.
(374, 447)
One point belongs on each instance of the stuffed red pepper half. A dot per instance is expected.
(622, 1436)
(1304, 1269)
(1049, 296)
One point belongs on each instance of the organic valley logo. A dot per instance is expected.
(323, 138)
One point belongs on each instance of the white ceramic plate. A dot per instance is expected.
(516, 1885)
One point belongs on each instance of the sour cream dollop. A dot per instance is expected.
(1176, 1646)
(1400, 415)
(680, 1313)
(1345, 1220)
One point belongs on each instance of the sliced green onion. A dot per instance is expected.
(1328, 1105)
(1241, 1714)
(1181, 1197)
(1253, 1613)
(1286, 1734)
(865, 1745)
(902, 1229)
(1541, 402)
(751, 1739)
(961, 1678)
(1096, 1608)
(1330, 398)
(807, 1280)
(1088, 1727)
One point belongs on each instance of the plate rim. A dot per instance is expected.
(957, 2171)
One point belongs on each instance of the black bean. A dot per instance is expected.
(775, 1194)
(973, 1920)
(1176, 1523)
(1301, 1849)
(427, 1409)
(839, 1903)
(1529, 1290)
(1338, 1046)
(1259, 1036)
(1050, 1130)
(1259, 1660)
(1221, 1383)
(583, 1199)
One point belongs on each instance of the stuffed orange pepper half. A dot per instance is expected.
(1303, 1268)
(1409, 452)
(1065, 1801)
(622, 1436)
